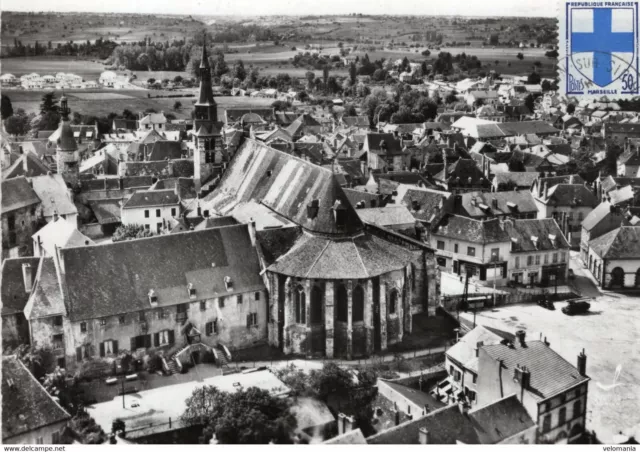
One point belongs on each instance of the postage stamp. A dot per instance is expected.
(598, 49)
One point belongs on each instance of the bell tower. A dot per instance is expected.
(67, 154)
(206, 129)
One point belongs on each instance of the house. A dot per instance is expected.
(479, 248)
(552, 391)
(18, 275)
(604, 218)
(58, 233)
(383, 151)
(304, 125)
(510, 129)
(483, 205)
(619, 133)
(151, 208)
(56, 198)
(155, 294)
(153, 121)
(461, 363)
(423, 203)
(629, 163)
(21, 216)
(479, 98)
(462, 176)
(614, 258)
(28, 165)
(359, 122)
(504, 421)
(539, 252)
(29, 414)
(567, 203)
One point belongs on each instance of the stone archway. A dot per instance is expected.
(562, 438)
(617, 278)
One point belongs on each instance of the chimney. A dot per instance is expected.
(423, 435)
(55, 216)
(520, 335)
(478, 347)
(121, 183)
(522, 376)
(494, 203)
(582, 363)
(463, 407)
(396, 416)
(546, 342)
(349, 423)
(27, 277)
(545, 190)
(252, 231)
(341, 423)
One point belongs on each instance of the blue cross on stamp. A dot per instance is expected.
(600, 41)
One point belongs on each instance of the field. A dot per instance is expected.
(102, 102)
(89, 70)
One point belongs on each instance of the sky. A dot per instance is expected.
(527, 8)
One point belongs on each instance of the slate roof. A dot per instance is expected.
(351, 437)
(609, 183)
(427, 201)
(113, 279)
(471, 230)
(151, 198)
(551, 374)
(524, 230)
(53, 192)
(165, 149)
(403, 177)
(284, 184)
(125, 124)
(571, 195)
(464, 169)
(356, 121)
(621, 243)
(355, 196)
(361, 257)
(509, 129)
(276, 242)
(416, 396)
(233, 115)
(146, 168)
(14, 295)
(523, 201)
(390, 215)
(46, 299)
(17, 193)
(185, 186)
(597, 215)
(215, 222)
(445, 426)
(611, 127)
(464, 352)
(26, 405)
(154, 118)
(500, 420)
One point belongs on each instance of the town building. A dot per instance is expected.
(21, 216)
(67, 154)
(553, 392)
(29, 414)
(614, 258)
(382, 151)
(151, 209)
(18, 275)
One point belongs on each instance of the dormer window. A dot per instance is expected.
(511, 205)
(340, 214)
(228, 284)
(312, 209)
(153, 298)
(534, 240)
(553, 239)
(192, 291)
(514, 244)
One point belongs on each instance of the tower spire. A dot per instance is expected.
(204, 61)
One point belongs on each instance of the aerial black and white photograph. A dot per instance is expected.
(320, 223)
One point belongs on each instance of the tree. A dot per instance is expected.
(247, 416)
(546, 85)
(239, 71)
(177, 105)
(529, 102)
(177, 79)
(280, 105)
(325, 76)
(571, 108)
(534, 78)
(130, 231)
(352, 73)
(520, 56)
(49, 103)
(451, 98)
(221, 65)
(151, 81)
(6, 109)
(18, 124)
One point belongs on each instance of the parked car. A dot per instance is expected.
(546, 303)
(576, 307)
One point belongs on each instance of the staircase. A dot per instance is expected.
(172, 366)
(223, 357)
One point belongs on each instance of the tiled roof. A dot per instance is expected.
(107, 211)
(356, 121)
(621, 243)
(611, 127)
(390, 215)
(147, 168)
(46, 299)
(427, 201)
(112, 279)
(151, 198)
(500, 420)
(416, 396)
(468, 229)
(286, 185)
(276, 242)
(53, 192)
(509, 129)
(550, 373)
(14, 294)
(29, 165)
(465, 350)
(26, 405)
(125, 124)
(351, 437)
(356, 196)
(445, 426)
(215, 222)
(17, 193)
(154, 118)
(360, 257)
(164, 149)
(233, 115)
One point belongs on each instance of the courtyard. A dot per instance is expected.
(610, 335)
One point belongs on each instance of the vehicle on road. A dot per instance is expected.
(576, 307)
(546, 303)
